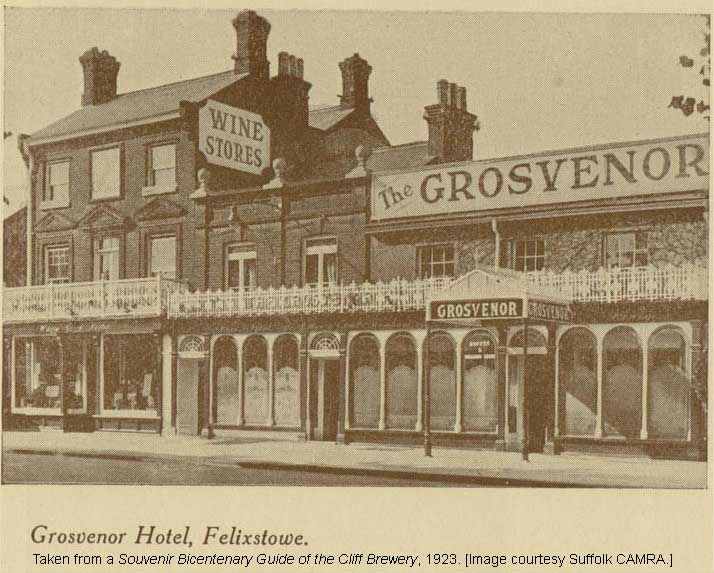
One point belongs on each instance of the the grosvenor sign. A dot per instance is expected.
(610, 171)
(499, 308)
(233, 138)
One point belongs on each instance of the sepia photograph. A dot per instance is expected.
(261, 247)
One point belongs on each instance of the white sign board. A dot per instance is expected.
(233, 138)
(601, 172)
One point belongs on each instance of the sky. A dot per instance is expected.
(536, 81)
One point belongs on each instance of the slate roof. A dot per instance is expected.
(138, 105)
(405, 156)
(325, 117)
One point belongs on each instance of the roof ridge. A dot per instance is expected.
(176, 83)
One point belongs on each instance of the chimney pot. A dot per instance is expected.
(293, 65)
(251, 55)
(442, 92)
(283, 64)
(300, 68)
(462, 98)
(452, 95)
(100, 76)
(355, 83)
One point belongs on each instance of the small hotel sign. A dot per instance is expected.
(604, 172)
(499, 308)
(233, 138)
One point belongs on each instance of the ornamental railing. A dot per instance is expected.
(393, 296)
(686, 282)
(127, 298)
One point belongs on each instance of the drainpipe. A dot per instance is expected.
(24, 149)
(497, 240)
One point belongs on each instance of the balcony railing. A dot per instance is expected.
(687, 282)
(394, 296)
(155, 297)
(128, 298)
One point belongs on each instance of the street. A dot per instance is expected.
(66, 468)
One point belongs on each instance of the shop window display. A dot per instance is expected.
(479, 377)
(401, 362)
(578, 382)
(442, 359)
(364, 382)
(622, 383)
(668, 393)
(131, 376)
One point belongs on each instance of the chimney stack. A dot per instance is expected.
(289, 109)
(251, 55)
(355, 83)
(100, 76)
(451, 126)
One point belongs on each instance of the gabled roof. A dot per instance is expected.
(326, 117)
(403, 156)
(137, 106)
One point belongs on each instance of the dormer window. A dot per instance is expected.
(56, 190)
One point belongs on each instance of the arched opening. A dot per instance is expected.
(622, 383)
(577, 382)
(537, 384)
(668, 391)
(480, 400)
(401, 365)
(255, 380)
(364, 381)
(226, 402)
(442, 382)
(286, 364)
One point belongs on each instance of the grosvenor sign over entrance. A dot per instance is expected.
(602, 172)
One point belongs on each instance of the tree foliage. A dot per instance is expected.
(687, 103)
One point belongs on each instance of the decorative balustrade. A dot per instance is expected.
(129, 298)
(687, 282)
(154, 297)
(394, 296)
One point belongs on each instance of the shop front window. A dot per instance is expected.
(44, 381)
(131, 377)
(480, 400)
(364, 381)
(578, 382)
(622, 383)
(402, 395)
(442, 381)
(669, 386)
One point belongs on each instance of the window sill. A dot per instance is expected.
(47, 205)
(37, 411)
(156, 190)
(105, 199)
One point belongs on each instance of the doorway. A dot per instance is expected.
(324, 398)
(537, 398)
(191, 382)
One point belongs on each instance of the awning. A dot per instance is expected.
(497, 294)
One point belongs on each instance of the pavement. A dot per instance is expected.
(275, 450)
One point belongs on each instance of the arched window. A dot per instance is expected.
(479, 376)
(622, 383)
(401, 363)
(364, 382)
(255, 380)
(442, 359)
(287, 381)
(225, 379)
(577, 382)
(668, 391)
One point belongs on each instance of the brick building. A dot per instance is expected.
(218, 254)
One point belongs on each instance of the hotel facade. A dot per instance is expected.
(219, 255)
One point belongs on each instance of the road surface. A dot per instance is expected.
(69, 468)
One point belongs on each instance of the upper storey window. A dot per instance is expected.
(626, 250)
(435, 260)
(106, 173)
(56, 190)
(161, 173)
(320, 263)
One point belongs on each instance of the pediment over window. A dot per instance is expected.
(103, 218)
(160, 208)
(55, 222)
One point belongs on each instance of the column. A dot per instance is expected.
(419, 338)
(211, 340)
(238, 340)
(458, 366)
(167, 374)
(382, 383)
(12, 372)
(270, 339)
(551, 391)
(304, 388)
(342, 405)
(501, 389)
(556, 398)
(645, 384)
(598, 415)
(346, 375)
